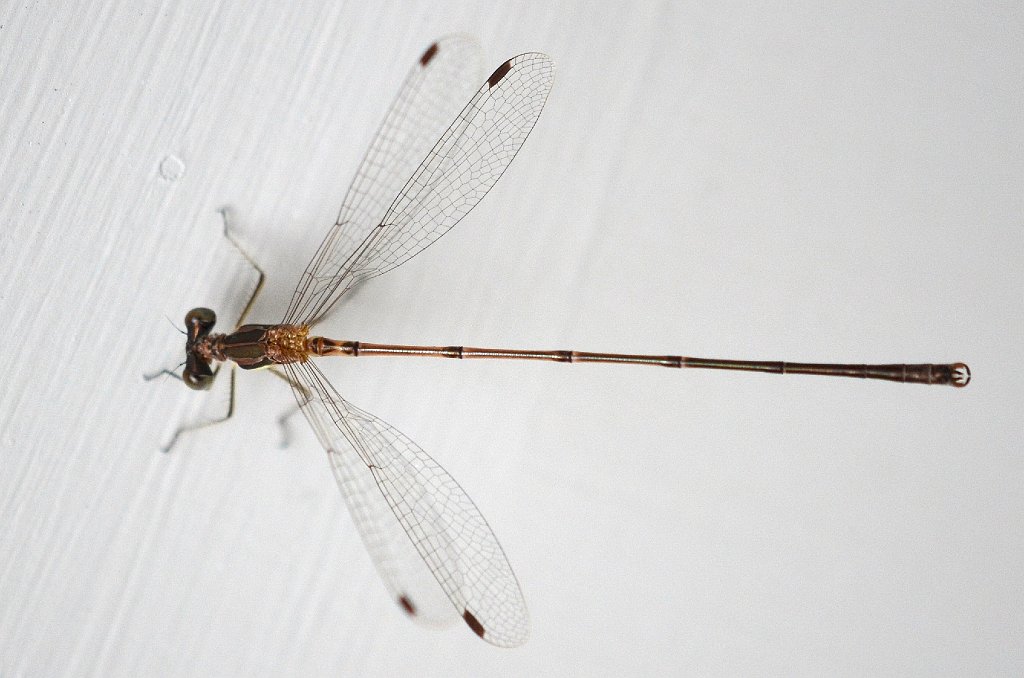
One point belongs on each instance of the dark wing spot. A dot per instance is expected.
(428, 55)
(499, 73)
(407, 605)
(473, 623)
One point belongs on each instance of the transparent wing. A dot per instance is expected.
(431, 95)
(454, 176)
(402, 501)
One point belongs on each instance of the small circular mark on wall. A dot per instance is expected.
(171, 168)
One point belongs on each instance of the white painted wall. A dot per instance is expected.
(799, 183)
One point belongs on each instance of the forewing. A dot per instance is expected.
(400, 497)
(455, 175)
(431, 95)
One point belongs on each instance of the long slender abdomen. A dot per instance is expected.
(954, 374)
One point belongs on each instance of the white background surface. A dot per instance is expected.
(796, 183)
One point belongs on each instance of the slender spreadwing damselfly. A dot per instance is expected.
(421, 175)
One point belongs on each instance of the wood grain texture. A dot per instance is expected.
(800, 184)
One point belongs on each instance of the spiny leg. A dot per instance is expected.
(204, 424)
(282, 421)
(161, 373)
(226, 217)
(225, 213)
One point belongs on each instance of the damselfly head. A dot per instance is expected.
(198, 374)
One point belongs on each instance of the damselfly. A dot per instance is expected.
(420, 177)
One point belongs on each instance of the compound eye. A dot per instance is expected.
(197, 374)
(199, 321)
(197, 382)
